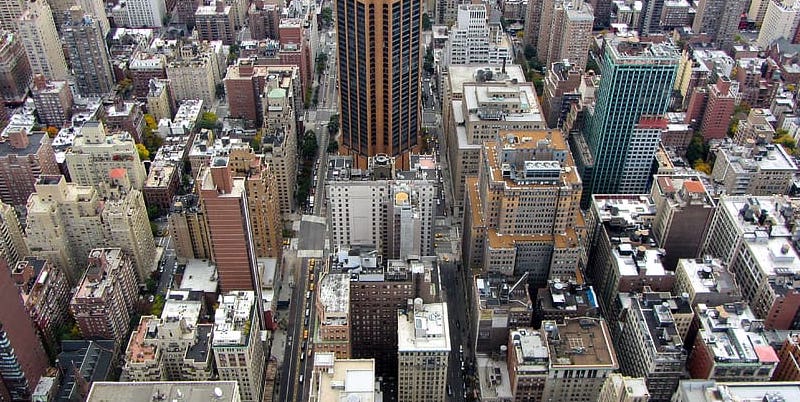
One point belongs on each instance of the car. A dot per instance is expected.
(449, 390)
(458, 325)
(308, 311)
(302, 357)
(311, 287)
(308, 295)
(305, 336)
(301, 378)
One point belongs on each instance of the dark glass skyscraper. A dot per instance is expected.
(379, 72)
(636, 82)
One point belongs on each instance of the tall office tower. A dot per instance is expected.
(279, 144)
(96, 154)
(143, 13)
(650, 346)
(423, 349)
(684, 209)
(184, 12)
(225, 208)
(566, 32)
(106, 296)
(67, 221)
(88, 54)
(486, 109)
(23, 159)
(757, 11)
(719, 19)
(719, 108)
(780, 21)
(262, 200)
(40, 39)
(236, 341)
(561, 91)
(53, 100)
(380, 63)
(15, 70)
(581, 357)
(392, 212)
(522, 213)
(376, 293)
(215, 22)
(45, 293)
(12, 238)
(474, 40)
(637, 81)
(619, 388)
(650, 17)
(187, 225)
(22, 358)
(10, 10)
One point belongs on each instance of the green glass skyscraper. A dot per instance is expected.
(635, 86)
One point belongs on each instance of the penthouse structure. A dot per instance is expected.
(505, 227)
(500, 305)
(423, 348)
(706, 280)
(581, 357)
(333, 310)
(45, 294)
(95, 153)
(650, 344)
(106, 295)
(625, 256)
(24, 157)
(474, 40)
(684, 209)
(731, 346)
(382, 207)
(753, 169)
(237, 338)
(752, 235)
(486, 110)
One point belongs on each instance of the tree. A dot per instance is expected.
(309, 147)
(333, 125)
(326, 15)
(530, 52)
(426, 22)
(591, 64)
(333, 147)
(255, 143)
(144, 154)
(208, 120)
(322, 61)
(697, 148)
(150, 121)
(788, 143)
(158, 306)
(52, 132)
(702, 166)
(427, 64)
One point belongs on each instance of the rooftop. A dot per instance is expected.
(93, 360)
(233, 318)
(662, 337)
(32, 146)
(752, 158)
(683, 190)
(494, 379)
(567, 296)
(345, 379)
(102, 262)
(186, 391)
(707, 275)
(531, 351)
(733, 335)
(334, 297)
(143, 343)
(580, 342)
(712, 391)
(502, 101)
(424, 329)
(459, 75)
(200, 275)
(495, 291)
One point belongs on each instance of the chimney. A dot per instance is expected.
(221, 175)
(39, 82)
(220, 6)
(18, 139)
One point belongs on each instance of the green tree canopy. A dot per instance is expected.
(333, 124)
(309, 147)
(426, 22)
(144, 154)
(208, 120)
(326, 15)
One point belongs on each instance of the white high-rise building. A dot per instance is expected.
(39, 37)
(10, 10)
(780, 21)
(423, 349)
(238, 350)
(474, 40)
(141, 13)
(392, 212)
